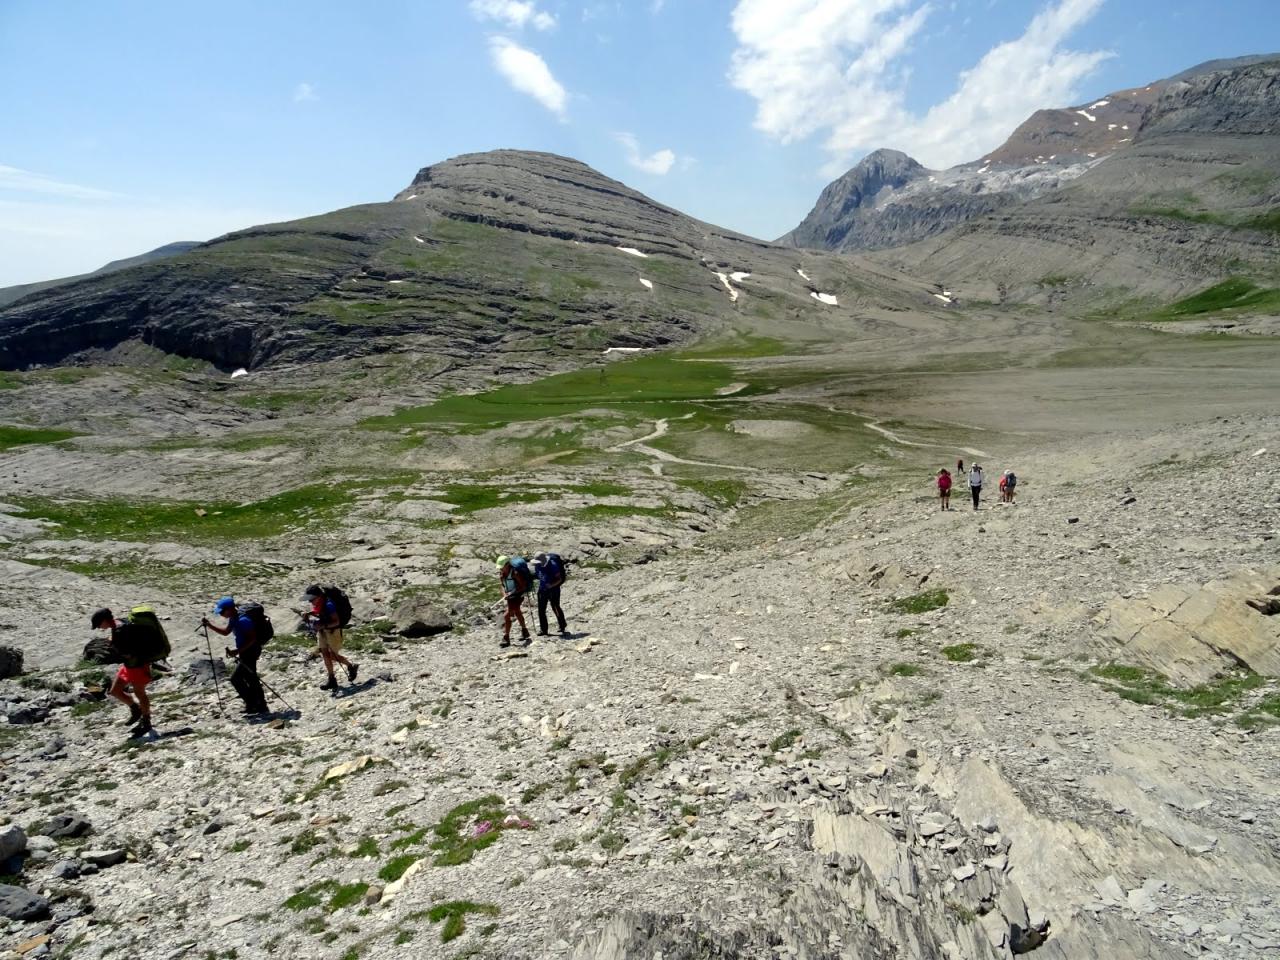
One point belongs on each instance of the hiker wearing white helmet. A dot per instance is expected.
(517, 579)
(551, 574)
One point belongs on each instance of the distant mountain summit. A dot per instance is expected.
(889, 200)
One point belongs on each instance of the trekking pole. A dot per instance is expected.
(214, 667)
(270, 689)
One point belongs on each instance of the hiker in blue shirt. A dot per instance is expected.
(550, 570)
(247, 650)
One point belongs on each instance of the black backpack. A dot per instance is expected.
(556, 563)
(262, 628)
(341, 602)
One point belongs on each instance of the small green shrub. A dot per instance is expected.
(454, 915)
(961, 652)
(921, 602)
(904, 670)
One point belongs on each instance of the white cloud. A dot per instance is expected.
(304, 92)
(15, 180)
(528, 73)
(837, 67)
(515, 14)
(659, 163)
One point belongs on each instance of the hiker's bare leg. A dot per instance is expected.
(144, 702)
(327, 657)
(117, 691)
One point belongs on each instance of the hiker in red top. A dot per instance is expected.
(944, 488)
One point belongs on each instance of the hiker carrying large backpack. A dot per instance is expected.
(252, 628)
(552, 573)
(330, 612)
(975, 484)
(138, 642)
(1010, 485)
(517, 580)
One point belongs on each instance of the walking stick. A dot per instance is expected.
(214, 667)
(270, 689)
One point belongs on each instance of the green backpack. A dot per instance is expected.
(141, 639)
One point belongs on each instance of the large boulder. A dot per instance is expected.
(13, 842)
(10, 662)
(66, 825)
(19, 904)
(415, 618)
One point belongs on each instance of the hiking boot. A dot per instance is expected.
(543, 633)
(143, 728)
(330, 684)
(525, 639)
(504, 642)
(352, 670)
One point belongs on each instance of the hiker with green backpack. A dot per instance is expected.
(252, 628)
(138, 641)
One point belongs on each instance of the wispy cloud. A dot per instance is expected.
(659, 163)
(838, 67)
(514, 14)
(528, 73)
(304, 93)
(15, 180)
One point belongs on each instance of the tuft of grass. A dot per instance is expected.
(904, 670)
(961, 652)
(394, 868)
(1147, 687)
(784, 741)
(22, 436)
(367, 847)
(454, 844)
(921, 602)
(454, 914)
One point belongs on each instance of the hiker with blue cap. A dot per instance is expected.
(249, 639)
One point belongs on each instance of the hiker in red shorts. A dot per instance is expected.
(131, 674)
(944, 488)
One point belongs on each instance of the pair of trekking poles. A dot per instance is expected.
(217, 689)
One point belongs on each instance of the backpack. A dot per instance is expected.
(1011, 481)
(558, 567)
(944, 482)
(262, 628)
(141, 640)
(341, 601)
(520, 568)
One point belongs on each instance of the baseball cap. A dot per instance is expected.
(223, 605)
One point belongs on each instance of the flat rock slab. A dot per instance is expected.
(22, 905)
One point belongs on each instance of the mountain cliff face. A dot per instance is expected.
(484, 255)
(1049, 150)
(1193, 200)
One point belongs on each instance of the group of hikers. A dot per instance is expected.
(1008, 484)
(142, 648)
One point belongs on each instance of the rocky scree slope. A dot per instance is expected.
(1192, 201)
(818, 757)
(483, 254)
(889, 200)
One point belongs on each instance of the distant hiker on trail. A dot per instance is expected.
(959, 468)
(516, 579)
(551, 574)
(328, 621)
(975, 484)
(139, 642)
(250, 637)
(1009, 484)
(944, 488)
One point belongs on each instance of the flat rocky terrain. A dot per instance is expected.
(887, 731)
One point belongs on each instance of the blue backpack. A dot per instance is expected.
(519, 568)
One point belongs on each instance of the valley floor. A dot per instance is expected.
(894, 732)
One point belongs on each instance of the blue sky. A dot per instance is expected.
(125, 124)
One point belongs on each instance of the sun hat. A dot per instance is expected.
(502, 561)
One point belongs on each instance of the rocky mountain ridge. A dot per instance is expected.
(11, 294)
(888, 200)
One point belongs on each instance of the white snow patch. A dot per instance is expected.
(412, 196)
(826, 298)
(647, 283)
(803, 274)
(724, 278)
(242, 372)
(943, 297)
(1087, 115)
(395, 281)
(947, 293)
(419, 239)
(984, 169)
(610, 350)
(1100, 103)
(1091, 155)
(1053, 156)
(1125, 127)
(1075, 123)
(739, 276)
(1112, 126)
(633, 251)
(933, 179)
(1125, 140)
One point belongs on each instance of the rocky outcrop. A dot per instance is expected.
(10, 662)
